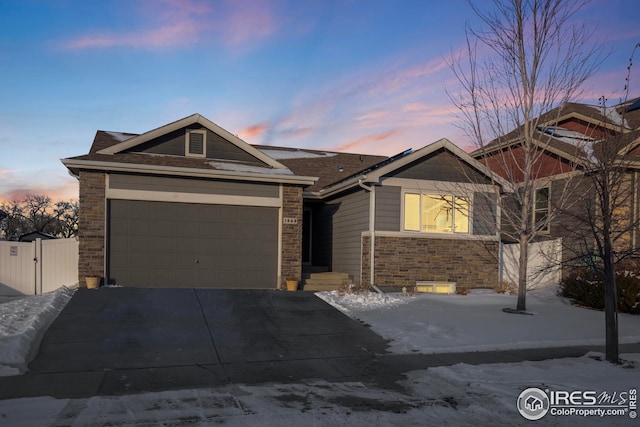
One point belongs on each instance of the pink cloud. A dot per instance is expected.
(66, 191)
(381, 136)
(295, 132)
(253, 131)
(247, 21)
(177, 23)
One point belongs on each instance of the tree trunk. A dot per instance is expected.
(522, 274)
(610, 305)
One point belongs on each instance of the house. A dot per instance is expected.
(190, 204)
(31, 237)
(566, 139)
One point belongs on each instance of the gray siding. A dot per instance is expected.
(441, 165)
(484, 214)
(173, 144)
(186, 185)
(388, 208)
(350, 218)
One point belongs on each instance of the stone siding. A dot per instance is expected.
(291, 233)
(91, 225)
(402, 261)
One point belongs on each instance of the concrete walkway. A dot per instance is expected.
(125, 340)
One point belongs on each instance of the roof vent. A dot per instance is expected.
(196, 143)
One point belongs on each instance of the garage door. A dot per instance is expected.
(157, 244)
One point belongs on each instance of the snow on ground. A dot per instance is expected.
(22, 323)
(459, 395)
(430, 323)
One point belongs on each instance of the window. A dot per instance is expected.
(541, 209)
(196, 143)
(436, 213)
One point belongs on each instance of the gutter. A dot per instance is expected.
(372, 228)
(187, 172)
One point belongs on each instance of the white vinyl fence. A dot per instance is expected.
(544, 263)
(32, 268)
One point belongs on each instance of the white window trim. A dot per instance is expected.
(422, 192)
(187, 140)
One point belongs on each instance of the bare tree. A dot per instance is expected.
(66, 217)
(35, 209)
(528, 59)
(607, 224)
(14, 224)
(37, 213)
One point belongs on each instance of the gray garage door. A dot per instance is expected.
(157, 244)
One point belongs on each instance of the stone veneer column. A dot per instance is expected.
(291, 233)
(91, 225)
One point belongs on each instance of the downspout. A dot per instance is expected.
(636, 206)
(372, 229)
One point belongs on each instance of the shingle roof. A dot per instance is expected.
(329, 166)
(613, 116)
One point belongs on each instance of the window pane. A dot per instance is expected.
(412, 212)
(462, 215)
(542, 199)
(437, 213)
(541, 206)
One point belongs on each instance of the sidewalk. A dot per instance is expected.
(381, 371)
(126, 341)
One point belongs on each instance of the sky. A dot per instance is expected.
(362, 76)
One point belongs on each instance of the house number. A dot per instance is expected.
(13, 251)
(290, 220)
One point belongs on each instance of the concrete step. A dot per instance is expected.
(330, 275)
(329, 281)
(319, 288)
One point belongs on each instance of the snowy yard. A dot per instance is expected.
(458, 395)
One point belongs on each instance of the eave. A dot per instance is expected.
(75, 165)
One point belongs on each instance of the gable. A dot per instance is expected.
(508, 163)
(199, 127)
(174, 143)
(440, 165)
(585, 128)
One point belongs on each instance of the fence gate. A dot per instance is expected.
(544, 263)
(32, 268)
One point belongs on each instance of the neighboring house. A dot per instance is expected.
(190, 204)
(31, 237)
(566, 137)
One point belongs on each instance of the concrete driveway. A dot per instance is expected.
(124, 340)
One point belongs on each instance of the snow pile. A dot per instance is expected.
(348, 303)
(22, 324)
(429, 323)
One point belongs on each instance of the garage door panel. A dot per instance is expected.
(157, 244)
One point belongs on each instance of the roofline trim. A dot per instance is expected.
(192, 119)
(186, 172)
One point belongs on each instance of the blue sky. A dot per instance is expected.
(363, 76)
